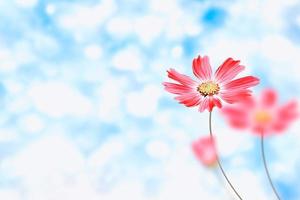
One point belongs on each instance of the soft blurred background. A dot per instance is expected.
(84, 115)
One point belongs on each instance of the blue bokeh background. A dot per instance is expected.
(84, 115)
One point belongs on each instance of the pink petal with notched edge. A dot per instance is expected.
(202, 68)
(177, 88)
(268, 98)
(217, 102)
(213, 101)
(181, 78)
(241, 83)
(204, 104)
(228, 70)
(235, 96)
(189, 100)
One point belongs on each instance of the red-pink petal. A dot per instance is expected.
(217, 102)
(202, 68)
(228, 70)
(258, 129)
(239, 123)
(177, 88)
(214, 102)
(249, 102)
(285, 115)
(268, 98)
(234, 112)
(242, 83)
(189, 100)
(235, 96)
(237, 116)
(289, 111)
(279, 126)
(181, 78)
(205, 151)
(204, 104)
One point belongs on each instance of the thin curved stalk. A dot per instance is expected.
(219, 163)
(220, 179)
(266, 166)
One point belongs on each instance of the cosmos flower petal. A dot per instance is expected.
(268, 97)
(213, 101)
(204, 104)
(228, 70)
(235, 96)
(181, 78)
(202, 68)
(205, 151)
(189, 99)
(248, 103)
(177, 88)
(239, 123)
(289, 111)
(278, 127)
(237, 118)
(234, 112)
(259, 129)
(242, 83)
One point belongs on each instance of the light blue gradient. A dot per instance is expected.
(83, 111)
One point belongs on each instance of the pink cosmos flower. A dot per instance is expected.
(205, 151)
(262, 114)
(209, 89)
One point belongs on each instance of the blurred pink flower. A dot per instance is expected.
(262, 114)
(208, 90)
(205, 151)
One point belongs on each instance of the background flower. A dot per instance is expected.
(263, 114)
(205, 151)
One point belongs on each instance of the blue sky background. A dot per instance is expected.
(84, 115)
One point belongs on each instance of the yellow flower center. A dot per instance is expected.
(208, 88)
(262, 117)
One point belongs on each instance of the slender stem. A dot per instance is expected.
(266, 166)
(220, 179)
(219, 163)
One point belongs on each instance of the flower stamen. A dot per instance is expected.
(262, 117)
(208, 88)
